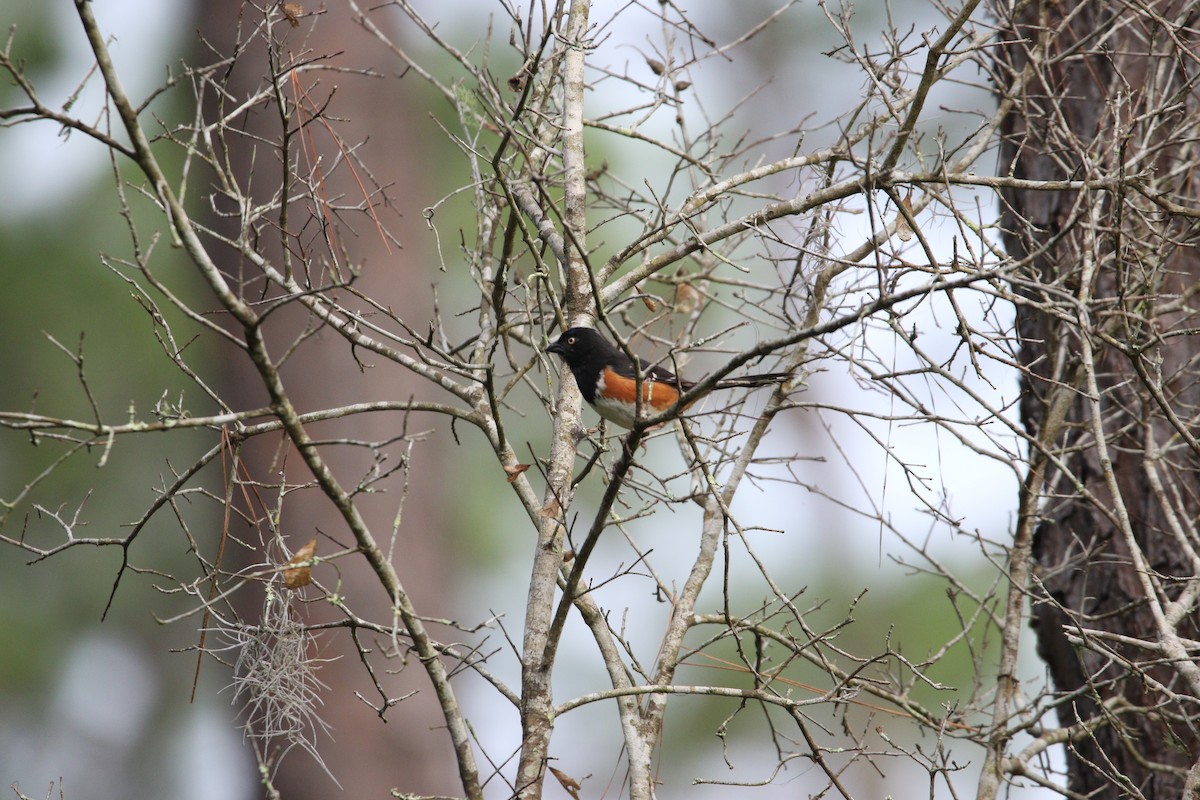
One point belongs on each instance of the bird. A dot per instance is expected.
(607, 378)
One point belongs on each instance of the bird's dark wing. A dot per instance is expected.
(624, 368)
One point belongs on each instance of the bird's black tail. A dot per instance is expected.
(751, 381)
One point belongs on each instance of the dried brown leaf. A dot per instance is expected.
(295, 576)
(570, 784)
(293, 12)
(903, 229)
(687, 298)
(597, 172)
(552, 510)
(514, 471)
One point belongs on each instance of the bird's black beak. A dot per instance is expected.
(558, 349)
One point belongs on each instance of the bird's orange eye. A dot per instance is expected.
(570, 340)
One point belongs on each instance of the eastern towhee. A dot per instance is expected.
(607, 378)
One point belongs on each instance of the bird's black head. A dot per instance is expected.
(586, 352)
(578, 342)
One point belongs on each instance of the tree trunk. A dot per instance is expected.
(367, 756)
(1103, 276)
